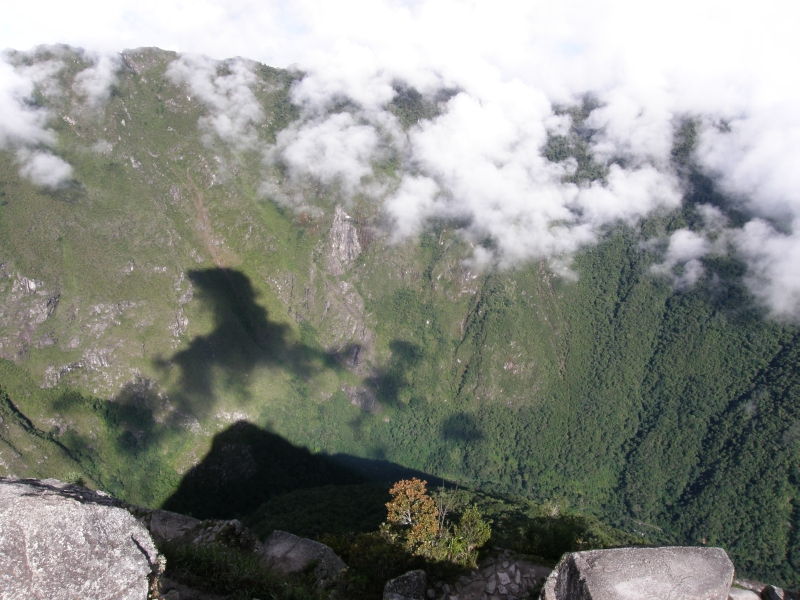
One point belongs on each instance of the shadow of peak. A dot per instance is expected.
(461, 427)
(246, 466)
(242, 339)
(381, 470)
(404, 352)
(230, 295)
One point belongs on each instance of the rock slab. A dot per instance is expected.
(685, 573)
(740, 594)
(61, 542)
(411, 586)
(286, 554)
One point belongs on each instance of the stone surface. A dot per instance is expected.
(522, 579)
(634, 573)
(749, 584)
(740, 594)
(473, 590)
(772, 592)
(344, 246)
(61, 541)
(410, 586)
(286, 553)
(172, 590)
(167, 526)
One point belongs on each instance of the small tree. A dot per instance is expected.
(420, 523)
(412, 514)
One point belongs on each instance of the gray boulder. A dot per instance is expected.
(411, 586)
(742, 594)
(632, 573)
(772, 592)
(60, 541)
(167, 526)
(286, 554)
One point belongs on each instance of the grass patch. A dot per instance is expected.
(237, 574)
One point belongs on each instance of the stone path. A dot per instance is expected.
(502, 576)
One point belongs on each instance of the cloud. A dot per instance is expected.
(43, 168)
(23, 125)
(685, 250)
(772, 257)
(21, 122)
(415, 201)
(225, 87)
(95, 83)
(337, 149)
(480, 161)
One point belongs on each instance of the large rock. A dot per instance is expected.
(633, 573)
(742, 594)
(344, 246)
(772, 592)
(60, 541)
(166, 526)
(170, 527)
(410, 586)
(286, 554)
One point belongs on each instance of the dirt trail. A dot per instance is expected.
(204, 223)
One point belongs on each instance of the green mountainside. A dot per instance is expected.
(163, 325)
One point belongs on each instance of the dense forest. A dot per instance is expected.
(193, 326)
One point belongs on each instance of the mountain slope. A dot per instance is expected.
(163, 295)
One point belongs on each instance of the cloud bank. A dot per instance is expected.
(95, 83)
(23, 126)
(225, 87)
(480, 160)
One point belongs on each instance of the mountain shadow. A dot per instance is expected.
(246, 466)
(243, 338)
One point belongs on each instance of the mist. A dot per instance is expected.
(497, 76)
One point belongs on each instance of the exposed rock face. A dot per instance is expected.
(503, 576)
(771, 592)
(740, 594)
(286, 553)
(60, 541)
(24, 305)
(166, 526)
(343, 245)
(410, 586)
(634, 573)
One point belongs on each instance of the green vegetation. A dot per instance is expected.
(236, 574)
(186, 329)
(421, 525)
(330, 509)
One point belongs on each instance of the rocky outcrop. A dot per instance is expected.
(504, 575)
(742, 594)
(628, 573)
(287, 554)
(170, 527)
(772, 592)
(61, 541)
(343, 244)
(410, 586)
(24, 305)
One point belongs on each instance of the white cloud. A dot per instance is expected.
(411, 205)
(95, 82)
(685, 250)
(43, 168)
(23, 125)
(773, 257)
(334, 150)
(225, 87)
(649, 64)
(20, 121)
